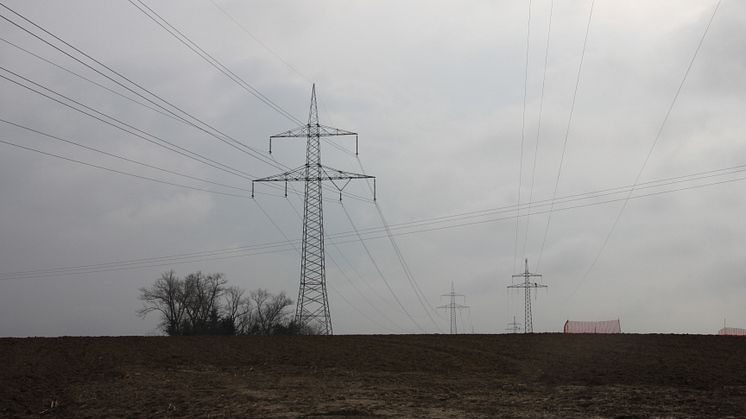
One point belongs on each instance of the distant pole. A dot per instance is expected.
(527, 285)
(453, 306)
(513, 327)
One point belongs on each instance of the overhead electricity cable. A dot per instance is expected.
(538, 128)
(142, 266)
(163, 23)
(650, 151)
(567, 130)
(407, 272)
(119, 94)
(121, 125)
(580, 197)
(510, 208)
(174, 110)
(106, 153)
(342, 238)
(259, 41)
(356, 308)
(82, 77)
(199, 124)
(421, 297)
(380, 272)
(179, 185)
(263, 248)
(608, 201)
(523, 136)
(276, 55)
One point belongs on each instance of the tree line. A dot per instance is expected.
(204, 304)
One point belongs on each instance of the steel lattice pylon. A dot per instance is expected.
(527, 286)
(312, 310)
(453, 306)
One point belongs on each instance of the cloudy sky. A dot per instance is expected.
(436, 90)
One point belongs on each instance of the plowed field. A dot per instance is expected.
(416, 375)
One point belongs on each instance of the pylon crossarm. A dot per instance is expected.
(297, 174)
(302, 131)
(305, 131)
(327, 131)
(332, 173)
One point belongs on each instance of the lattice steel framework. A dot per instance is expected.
(312, 309)
(453, 306)
(513, 327)
(527, 285)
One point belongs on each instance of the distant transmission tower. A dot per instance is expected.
(513, 327)
(453, 306)
(527, 285)
(312, 309)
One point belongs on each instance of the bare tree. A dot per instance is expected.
(270, 311)
(203, 295)
(236, 309)
(203, 304)
(165, 296)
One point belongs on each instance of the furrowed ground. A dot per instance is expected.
(392, 375)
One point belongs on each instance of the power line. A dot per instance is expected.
(165, 25)
(142, 266)
(370, 234)
(274, 247)
(179, 185)
(150, 166)
(170, 115)
(222, 137)
(567, 130)
(259, 41)
(200, 125)
(82, 77)
(538, 127)
(123, 126)
(421, 297)
(650, 151)
(380, 272)
(523, 136)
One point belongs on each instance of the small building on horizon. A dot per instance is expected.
(604, 326)
(732, 331)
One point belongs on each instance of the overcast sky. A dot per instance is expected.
(436, 91)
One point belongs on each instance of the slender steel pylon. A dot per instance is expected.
(513, 327)
(528, 326)
(312, 309)
(453, 307)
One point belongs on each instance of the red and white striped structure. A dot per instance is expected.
(607, 326)
(732, 331)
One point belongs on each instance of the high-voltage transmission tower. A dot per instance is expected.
(513, 327)
(312, 310)
(527, 285)
(453, 307)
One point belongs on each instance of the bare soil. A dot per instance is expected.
(545, 375)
